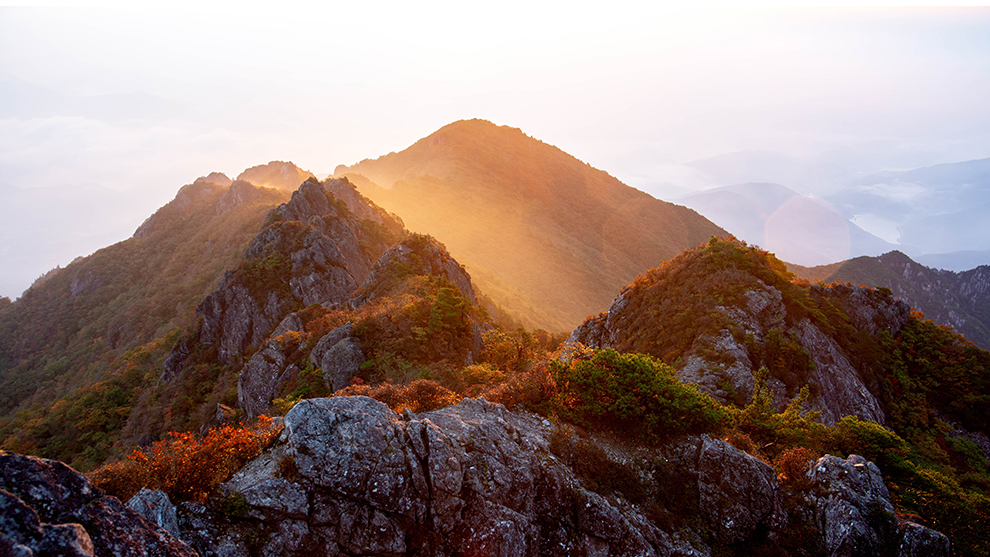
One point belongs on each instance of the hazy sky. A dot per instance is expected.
(144, 101)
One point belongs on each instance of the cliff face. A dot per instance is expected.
(348, 476)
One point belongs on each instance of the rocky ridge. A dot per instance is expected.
(959, 300)
(312, 251)
(348, 476)
(328, 246)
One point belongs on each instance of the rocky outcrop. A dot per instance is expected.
(854, 513)
(339, 355)
(241, 192)
(720, 362)
(313, 251)
(49, 509)
(267, 370)
(156, 507)
(421, 255)
(350, 477)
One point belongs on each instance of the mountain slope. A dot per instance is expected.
(93, 333)
(959, 300)
(544, 234)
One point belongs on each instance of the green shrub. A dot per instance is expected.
(633, 393)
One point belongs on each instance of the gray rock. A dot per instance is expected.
(916, 540)
(339, 355)
(842, 391)
(853, 509)
(262, 378)
(736, 491)
(66, 540)
(50, 509)
(155, 506)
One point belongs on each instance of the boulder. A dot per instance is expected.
(340, 356)
(853, 506)
(155, 506)
(47, 508)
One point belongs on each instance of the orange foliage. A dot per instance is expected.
(184, 467)
(421, 395)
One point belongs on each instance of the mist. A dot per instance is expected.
(134, 103)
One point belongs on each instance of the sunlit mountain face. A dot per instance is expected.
(546, 235)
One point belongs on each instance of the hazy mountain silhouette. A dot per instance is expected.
(797, 228)
(937, 209)
(547, 236)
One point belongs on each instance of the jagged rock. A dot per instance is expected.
(340, 356)
(49, 487)
(309, 200)
(868, 309)
(66, 540)
(343, 190)
(155, 506)
(736, 491)
(233, 319)
(916, 540)
(314, 251)
(853, 510)
(53, 510)
(119, 531)
(426, 256)
(476, 478)
(262, 377)
(841, 390)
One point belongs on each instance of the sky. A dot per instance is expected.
(127, 104)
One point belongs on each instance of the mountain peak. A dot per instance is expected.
(281, 175)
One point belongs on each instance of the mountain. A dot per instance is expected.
(937, 209)
(96, 328)
(276, 174)
(797, 228)
(955, 261)
(545, 235)
(958, 300)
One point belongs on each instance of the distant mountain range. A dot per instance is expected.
(935, 214)
(797, 228)
(545, 235)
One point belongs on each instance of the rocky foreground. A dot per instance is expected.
(348, 476)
